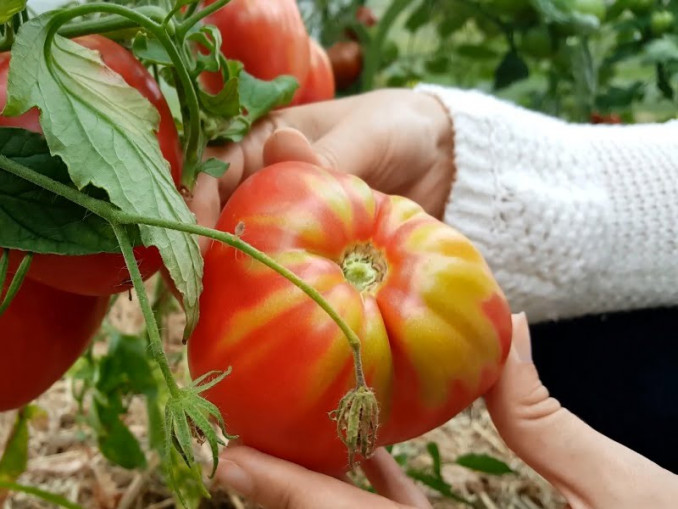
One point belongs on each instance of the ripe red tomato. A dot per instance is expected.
(267, 36)
(319, 84)
(105, 273)
(42, 333)
(434, 325)
(347, 62)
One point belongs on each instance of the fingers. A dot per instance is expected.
(288, 144)
(205, 204)
(390, 481)
(587, 467)
(277, 484)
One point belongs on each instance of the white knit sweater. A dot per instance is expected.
(573, 219)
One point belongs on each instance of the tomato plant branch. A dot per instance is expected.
(191, 20)
(109, 23)
(151, 325)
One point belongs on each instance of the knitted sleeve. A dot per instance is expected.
(573, 219)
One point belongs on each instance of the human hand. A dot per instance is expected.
(589, 469)
(277, 484)
(398, 141)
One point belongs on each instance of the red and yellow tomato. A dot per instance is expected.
(319, 84)
(268, 36)
(434, 326)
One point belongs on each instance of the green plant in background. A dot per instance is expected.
(582, 60)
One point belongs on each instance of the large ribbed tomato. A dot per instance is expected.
(105, 273)
(435, 327)
(319, 84)
(42, 332)
(268, 36)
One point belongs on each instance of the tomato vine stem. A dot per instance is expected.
(15, 285)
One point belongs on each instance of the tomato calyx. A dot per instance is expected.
(363, 266)
(357, 422)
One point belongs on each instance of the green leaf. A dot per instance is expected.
(214, 167)
(116, 441)
(15, 457)
(618, 97)
(476, 51)
(104, 131)
(126, 368)
(561, 13)
(225, 103)
(434, 452)
(511, 69)
(661, 50)
(438, 485)
(419, 17)
(57, 225)
(258, 97)
(150, 49)
(41, 494)
(209, 37)
(484, 463)
(664, 82)
(9, 8)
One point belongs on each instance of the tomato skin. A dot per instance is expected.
(347, 62)
(103, 273)
(435, 331)
(42, 333)
(268, 36)
(319, 84)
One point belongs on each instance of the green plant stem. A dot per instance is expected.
(118, 217)
(151, 325)
(189, 98)
(109, 23)
(4, 267)
(374, 50)
(193, 18)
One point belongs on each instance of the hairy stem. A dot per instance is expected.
(194, 17)
(151, 325)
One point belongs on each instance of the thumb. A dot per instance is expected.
(584, 465)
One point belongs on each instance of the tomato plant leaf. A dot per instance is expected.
(9, 8)
(116, 441)
(104, 130)
(419, 17)
(58, 225)
(434, 452)
(484, 463)
(258, 97)
(150, 50)
(438, 485)
(209, 37)
(214, 167)
(511, 69)
(15, 457)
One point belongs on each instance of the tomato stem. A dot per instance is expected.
(193, 18)
(151, 325)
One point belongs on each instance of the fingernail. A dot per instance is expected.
(521, 337)
(235, 477)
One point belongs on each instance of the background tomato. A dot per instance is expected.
(42, 333)
(319, 84)
(347, 62)
(435, 327)
(105, 273)
(267, 36)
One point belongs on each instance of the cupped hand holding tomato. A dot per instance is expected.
(104, 273)
(42, 333)
(434, 326)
